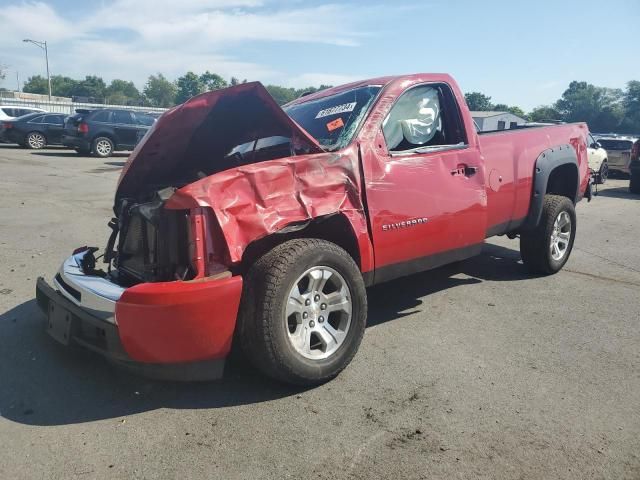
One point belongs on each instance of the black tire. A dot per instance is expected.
(535, 245)
(35, 140)
(634, 183)
(603, 174)
(263, 328)
(102, 147)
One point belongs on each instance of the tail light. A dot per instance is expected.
(7, 125)
(83, 128)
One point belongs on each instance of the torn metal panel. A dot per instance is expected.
(196, 138)
(256, 200)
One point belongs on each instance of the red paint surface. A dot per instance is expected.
(184, 321)
(175, 322)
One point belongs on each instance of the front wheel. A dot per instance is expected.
(304, 311)
(603, 174)
(546, 248)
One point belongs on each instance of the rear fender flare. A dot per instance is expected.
(548, 161)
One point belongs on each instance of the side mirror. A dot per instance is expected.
(597, 144)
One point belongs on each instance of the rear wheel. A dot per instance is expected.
(35, 140)
(303, 312)
(546, 248)
(102, 147)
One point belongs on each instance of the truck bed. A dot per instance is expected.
(510, 157)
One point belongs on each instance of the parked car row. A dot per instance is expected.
(98, 132)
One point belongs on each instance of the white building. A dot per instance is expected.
(489, 121)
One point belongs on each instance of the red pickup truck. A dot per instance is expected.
(238, 221)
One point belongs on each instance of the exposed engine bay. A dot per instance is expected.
(153, 243)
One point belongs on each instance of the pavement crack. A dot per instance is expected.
(613, 262)
(602, 277)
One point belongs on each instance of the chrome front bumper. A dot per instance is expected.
(95, 294)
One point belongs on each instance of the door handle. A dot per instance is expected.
(465, 170)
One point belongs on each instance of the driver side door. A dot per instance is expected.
(424, 185)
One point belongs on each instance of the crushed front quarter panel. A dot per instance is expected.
(253, 201)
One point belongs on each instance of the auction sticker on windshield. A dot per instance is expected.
(346, 107)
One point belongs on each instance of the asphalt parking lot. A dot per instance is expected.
(476, 370)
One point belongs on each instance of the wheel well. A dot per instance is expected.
(332, 228)
(563, 180)
(104, 135)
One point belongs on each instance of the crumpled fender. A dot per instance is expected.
(203, 130)
(253, 201)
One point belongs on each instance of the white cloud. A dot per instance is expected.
(134, 38)
(317, 79)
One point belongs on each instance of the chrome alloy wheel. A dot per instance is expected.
(560, 236)
(36, 140)
(103, 147)
(318, 313)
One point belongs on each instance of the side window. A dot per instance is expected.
(144, 119)
(38, 119)
(102, 116)
(501, 125)
(53, 119)
(424, 116)
(121, 116)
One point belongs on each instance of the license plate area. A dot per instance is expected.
(59, 324)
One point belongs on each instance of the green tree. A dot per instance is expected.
(36, 84)
(122, 92)
(600, 107)
(159, 91)
(63, 86)
(92, 86)
(189, 85)
(631, 108)
(212, 81)
(503, 107)
(282, 95)
(544, 113)
(478, 102)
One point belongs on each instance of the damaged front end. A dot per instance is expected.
(166, 294)
(149, 243)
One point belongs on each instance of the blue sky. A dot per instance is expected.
(519, 52)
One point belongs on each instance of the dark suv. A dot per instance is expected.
(104, 131)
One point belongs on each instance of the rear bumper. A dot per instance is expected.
(75, 142)
(171, 330)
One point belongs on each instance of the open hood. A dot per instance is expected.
(195, 139)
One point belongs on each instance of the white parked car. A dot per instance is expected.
(11, 112)
(598, 160)
(618, 151)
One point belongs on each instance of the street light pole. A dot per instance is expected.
(43, 46)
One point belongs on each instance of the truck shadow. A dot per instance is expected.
(45, 384)
(620, 192)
